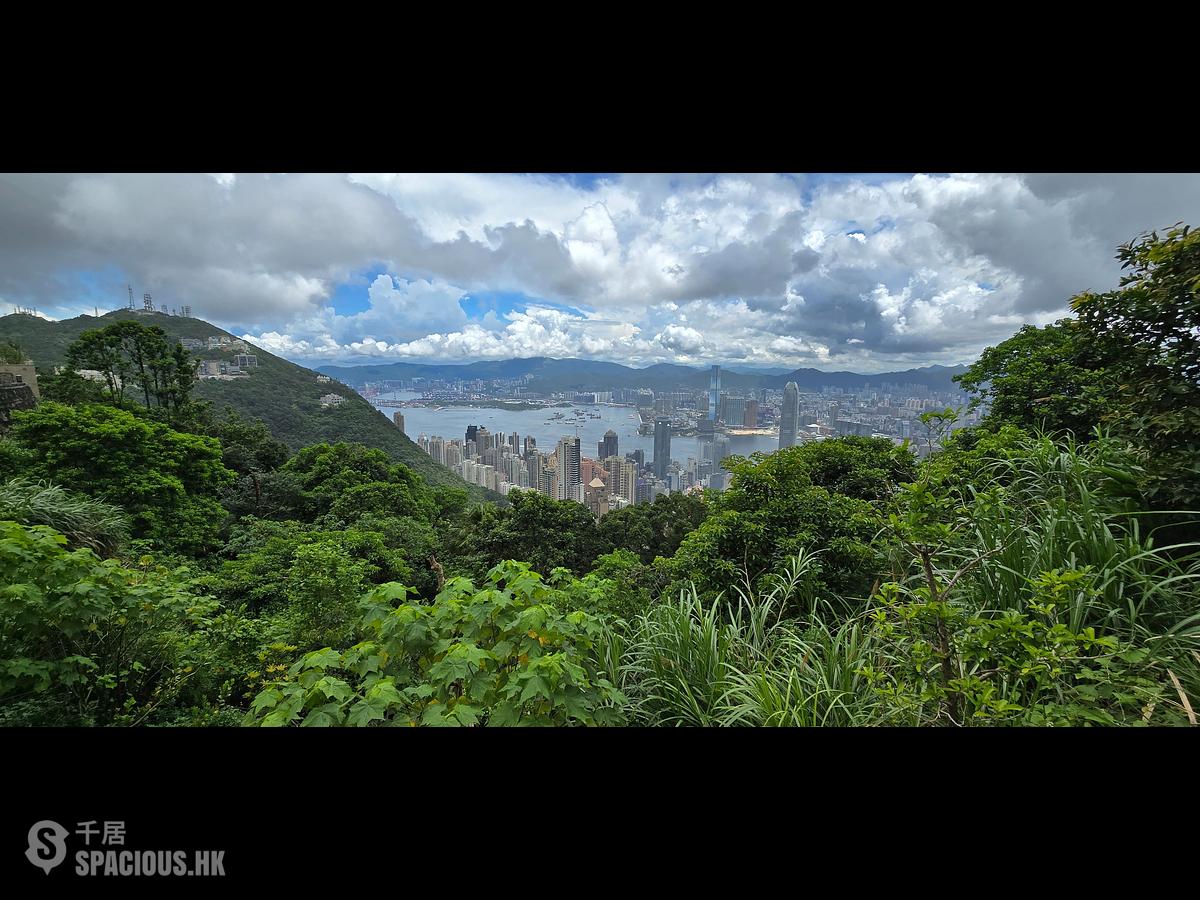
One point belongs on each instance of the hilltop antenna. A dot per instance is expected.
(147, 303)
(130, 287)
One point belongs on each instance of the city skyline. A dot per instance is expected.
(863, 273)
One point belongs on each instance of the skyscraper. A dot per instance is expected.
(568, 456)
(530, 445)
(608, 446)
(662, 446)
(789, 416)
(398, 419)
(714, 392)
(472, 431)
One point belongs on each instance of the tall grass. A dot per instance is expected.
(86, 523)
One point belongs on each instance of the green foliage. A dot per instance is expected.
(259, 576)
(653, 529)
(323, 585)
(246, 445)
(771, 511)
(1150, 329)
(357, 480)
(1053, 378)
(139, 361)
(86, 523)
(101, 641)
(167, 481)
(71, 388)
(501, 655)
(546, 533)
(11, 354)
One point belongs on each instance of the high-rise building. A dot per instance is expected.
(789, 417)
(751, 419)
(530, 446)
(569, 482)
(596, 498)
(608, 446)
(714, 392)
(398, 419)
(472, 433)
(514, 441)
(662, 446)
(638, 458)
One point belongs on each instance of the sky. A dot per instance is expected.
(865, 272)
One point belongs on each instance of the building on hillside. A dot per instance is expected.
(398, 421)
(332, 400)
(245, 361)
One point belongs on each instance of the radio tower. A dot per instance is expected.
(147, 303)
(130, 286)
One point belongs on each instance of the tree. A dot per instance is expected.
(129, 354)
(543, 532)
(772, 511)
(1149, 330)
(653, 529)
(1053, 378)
(166, 480)
(11, 354)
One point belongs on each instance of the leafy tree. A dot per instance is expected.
(653, 529)
(70, 387)
(1149, 329)
(1053, 378)
(772, 511)
(11, 354)
(246, 444)
(502, 655)
(323, 586)
(865, 468)
(265, 552)
(166, 480)
(325, 472)
(138, 358)
(546, 533)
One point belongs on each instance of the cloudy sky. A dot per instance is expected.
(868, 272)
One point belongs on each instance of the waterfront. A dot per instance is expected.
(451, 422)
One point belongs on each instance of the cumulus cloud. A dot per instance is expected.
(854, 272)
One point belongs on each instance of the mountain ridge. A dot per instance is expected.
(284, 394)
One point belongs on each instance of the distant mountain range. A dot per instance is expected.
(580, 374)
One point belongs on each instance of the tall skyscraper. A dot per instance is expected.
(568, 469)
(530, 445)
(714, 392)
(751, 419)
(472, 431)
(608, 446)
(398, 419)
(662, 446)
(789, 416)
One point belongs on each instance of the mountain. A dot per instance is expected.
(284, 395)
(548, 375)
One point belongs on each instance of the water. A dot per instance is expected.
(451, 422)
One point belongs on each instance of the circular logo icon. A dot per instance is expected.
(47, 845)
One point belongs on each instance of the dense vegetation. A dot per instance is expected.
(161, 565)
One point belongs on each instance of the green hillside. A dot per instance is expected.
(284, 395)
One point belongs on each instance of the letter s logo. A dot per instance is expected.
(47, 845)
